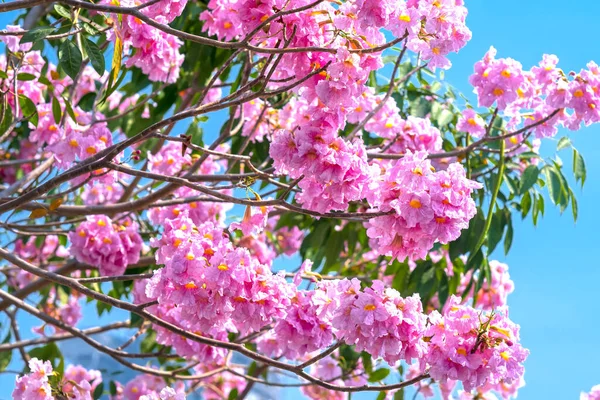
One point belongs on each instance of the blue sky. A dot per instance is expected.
(553, 266)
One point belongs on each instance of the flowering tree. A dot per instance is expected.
(353, 166)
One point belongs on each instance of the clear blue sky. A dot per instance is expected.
(553, 266)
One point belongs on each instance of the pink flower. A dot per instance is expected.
(472, 123)
(108, 246)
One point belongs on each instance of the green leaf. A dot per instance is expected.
(445, 117)
(381, 396)
(90, 29)
(37, 33)
(563, 143)
(7, 120)
(136, 320)
(70, 58)
(574, 207)
(69, 110)
(496, 230)
(555, 188)
(579, 167)
(367, 362)
(529, 178)
(95, 55)
(3, 75)
(379, 375)
(233, 394)
(62, 11)
(525, 204)
(5, 356)
(56, 110)
(113, 388)
(23, 76)
(401, 277)
(98, 391)
(399, 395)
(29, 109)
(87, 101)
(508, 238)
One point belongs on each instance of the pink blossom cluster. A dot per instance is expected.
(259, 120)
(215, 286)
(99, 192)
(169, 160)
(156, 53)
(412, 133)
(329, 370)
(428, 206)
(30, 251)
(472, 347)
(77, 382)
(149, 387)
(494, 294)
(174, 315)
(306, 327)
(220, 385)
(68, 312)
(77, 137)
(530, 96)
(594, 394)
(379, 321)
(335, 171)
(110, 246)
(432, 28)
(266, 247)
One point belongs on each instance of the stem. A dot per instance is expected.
(488, 221)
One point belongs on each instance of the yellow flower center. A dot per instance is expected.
(414, 203)
(370, 307)
(223, 267)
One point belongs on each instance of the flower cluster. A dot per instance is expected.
(306, 327)
(170, 159)
(473, 347)
(40, 383)
(327, 369)
(494, 294)
(428, 206)
(266, 248)
(412, 133)
(335, 171)
(379, 321)
(213, 285)
(35, 253)
(150, 387)
(105, 244)
(594, 394)
(156, 52)
(66, 310)
(220, 385)
(532, 96)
